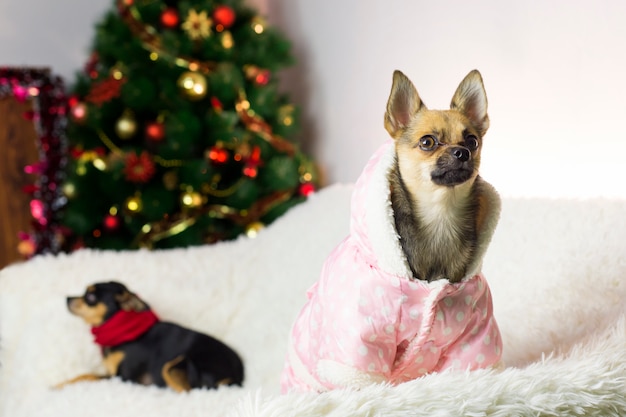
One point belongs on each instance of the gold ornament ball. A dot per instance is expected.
(253, 229)
(227, 40)
(126, 126)
(100, 164)
(285, 114)
(193, 85)
(117, 72)
(258, 24)
(81, 169)
(69, 190)
(133, 204)
(191, 199)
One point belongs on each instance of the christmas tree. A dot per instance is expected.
(178, 133)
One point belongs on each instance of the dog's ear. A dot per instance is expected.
(402, 105)
(471, 100)
(130, 302)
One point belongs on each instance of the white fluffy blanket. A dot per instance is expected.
(557, 270)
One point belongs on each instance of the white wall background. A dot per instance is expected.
(554, 72)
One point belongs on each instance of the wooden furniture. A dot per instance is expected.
(33, 109)
(18, 148)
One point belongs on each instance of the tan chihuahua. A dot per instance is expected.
(403, 295)
(436, 191)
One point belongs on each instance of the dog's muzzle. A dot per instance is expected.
(453, 167)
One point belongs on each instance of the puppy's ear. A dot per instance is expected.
(471, 100)
(130, 302)
(402, 105)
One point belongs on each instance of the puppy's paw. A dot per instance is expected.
(80, 378)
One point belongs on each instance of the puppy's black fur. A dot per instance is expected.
(165, 355)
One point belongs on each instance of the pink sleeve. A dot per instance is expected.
(479, 345)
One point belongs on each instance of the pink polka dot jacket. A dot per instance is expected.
(367, 321)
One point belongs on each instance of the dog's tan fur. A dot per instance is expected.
(437, 219)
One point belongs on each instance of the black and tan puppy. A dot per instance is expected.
(140, 348)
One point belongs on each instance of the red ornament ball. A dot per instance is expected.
(224, 15)
(216, 104)
(218, 155)
(250, 171)
(262, 78)
(307, 189)
(155, 131)
(111, 222)
(169, 18)
(72, 101)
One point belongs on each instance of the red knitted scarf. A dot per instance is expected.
(123, 326)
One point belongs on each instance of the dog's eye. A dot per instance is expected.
(427, 143)
(90, 298)
(471, 142)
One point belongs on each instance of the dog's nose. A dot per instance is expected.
(462, 154)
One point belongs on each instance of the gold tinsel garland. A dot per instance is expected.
(113, 148)
(151, 233)
(256, 124)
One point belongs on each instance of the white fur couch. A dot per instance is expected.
(557, 270)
